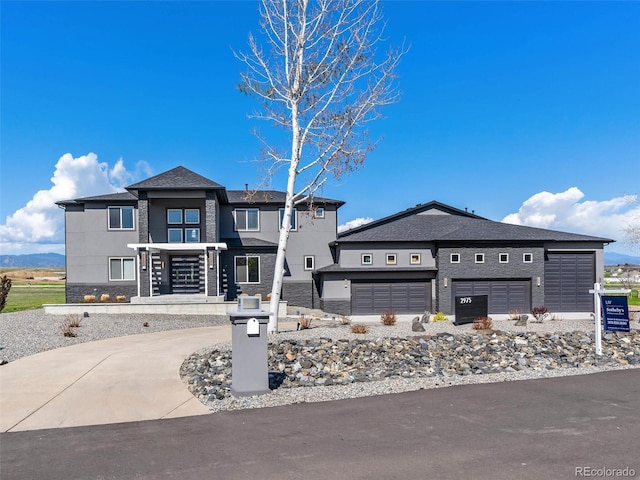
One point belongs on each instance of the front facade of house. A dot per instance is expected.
(180, 233)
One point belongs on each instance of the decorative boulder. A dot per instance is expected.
(426, 317)
(416, 326)
(522, 321)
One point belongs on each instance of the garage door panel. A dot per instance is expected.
(503, 295)
(399, 297)
(568, 279)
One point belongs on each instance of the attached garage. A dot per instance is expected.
(568, 277)
(401, 297)
(504, 295)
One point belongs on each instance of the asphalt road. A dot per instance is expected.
(536, 429)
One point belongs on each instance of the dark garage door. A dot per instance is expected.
(567, 280)
(504, 295)
(377, 298)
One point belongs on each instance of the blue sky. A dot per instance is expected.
(527, 112)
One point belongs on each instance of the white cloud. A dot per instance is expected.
(39, 225)
(354, 223)
(568, 211)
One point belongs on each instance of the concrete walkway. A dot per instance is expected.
(109, 381)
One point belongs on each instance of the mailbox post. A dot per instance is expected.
(249, 359)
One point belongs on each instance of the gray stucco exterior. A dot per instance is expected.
(179, 232)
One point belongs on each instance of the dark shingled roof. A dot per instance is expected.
(442, 228)
(179, 178)
(247, 242)
(270, 196)
(111, 197)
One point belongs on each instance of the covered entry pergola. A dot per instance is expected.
(176, 268)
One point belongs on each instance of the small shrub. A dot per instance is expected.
(540, 313)
(121, 298)
(344, 320)
(73, 320)
(67, 329)
(359, 328)
(482, 323)
(89, 298)
(304, 322)
(105, 297)
(145, 324)
(440, 317)
(5, 286)
(388, 318)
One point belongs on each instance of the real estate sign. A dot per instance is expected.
(615, 311)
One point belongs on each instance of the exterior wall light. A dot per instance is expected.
(446, 282)
(537, 281)
(143, 259)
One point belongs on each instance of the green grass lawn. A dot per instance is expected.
(29, 297)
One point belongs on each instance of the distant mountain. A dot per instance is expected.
(612, 258)
(33, 260)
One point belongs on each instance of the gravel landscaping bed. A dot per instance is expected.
(328, 362)
(32, 331)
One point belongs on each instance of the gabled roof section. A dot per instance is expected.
(413, 225)
(270, 196)
(179, 178)
(111, 197)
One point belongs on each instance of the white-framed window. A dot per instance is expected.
(174, 235)
(415, 259)
(527, 257)
(503, 257)
(367, 259)
(122, 269)
(174, 216)
(309, 262)
(120, 218)
(246, 219)
(294, 219)
(479, 257)
(192, 215)
(391, 259)
(192, 235)
(247, 269)
(319, 212)
(455, 258)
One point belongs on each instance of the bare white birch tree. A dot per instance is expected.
(317, 72)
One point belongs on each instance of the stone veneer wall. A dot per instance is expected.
(267, 267)
(143, 237)
(337, 307)
(211, 236)
(75, 292)
(300, 294)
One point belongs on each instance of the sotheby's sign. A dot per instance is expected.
(615, 311)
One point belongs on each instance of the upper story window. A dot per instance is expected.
(246, 219)
(192, 235)
(455, 258)
(191, 215)
(367, 259)
(174, 216)
(415, 259)
(294, 218)
(503, 258)
(309, 262)
(120, 218)
(174, 235)
(479, 257)
(527, 257)
(319, 212)
(391, 259)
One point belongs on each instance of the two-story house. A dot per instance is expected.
(181, 233)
